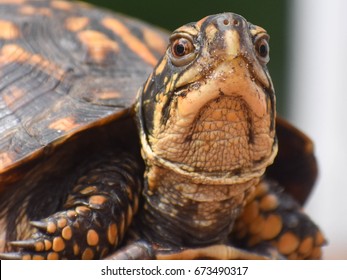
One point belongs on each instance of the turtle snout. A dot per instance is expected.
(228, 21)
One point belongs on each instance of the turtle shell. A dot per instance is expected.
(295, 166)
(65, 67)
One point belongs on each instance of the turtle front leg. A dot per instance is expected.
(274, 224)
(95, 216)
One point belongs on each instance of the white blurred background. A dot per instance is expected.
(318, 105)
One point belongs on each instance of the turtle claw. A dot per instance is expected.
(11, 256)
(39, 224)
(58, 237)
(25, 244)
(28, 255)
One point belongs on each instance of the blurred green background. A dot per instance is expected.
(269, 14)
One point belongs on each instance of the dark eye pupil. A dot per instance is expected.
(180, 49)
(263, 50)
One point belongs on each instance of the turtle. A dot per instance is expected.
(121, 141)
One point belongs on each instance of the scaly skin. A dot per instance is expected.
(94, 219)
(272, 220)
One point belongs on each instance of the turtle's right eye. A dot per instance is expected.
(182, 50)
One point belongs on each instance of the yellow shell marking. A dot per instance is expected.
(61, 5)
(30, 10)
(63, 124)
(130, 40)
(12, 1)
(27, 10)
(75, 24)
(12, 94)
(106, 95)
(5, 160)
(98, 44)
(12, 53)
(8, 30)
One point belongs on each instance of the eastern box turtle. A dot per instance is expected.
(89, 171)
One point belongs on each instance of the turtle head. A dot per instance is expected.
(208, 108)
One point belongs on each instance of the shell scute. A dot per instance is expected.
(55, 83)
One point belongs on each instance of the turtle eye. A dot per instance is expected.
(262, 49)
(181, 47)
(182, 51)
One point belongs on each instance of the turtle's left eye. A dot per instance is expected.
(182, 51)
(262, 49)
(181, 47)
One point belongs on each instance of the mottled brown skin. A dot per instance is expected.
(73, 183)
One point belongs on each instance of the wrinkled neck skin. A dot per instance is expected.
(182, 213)
(198, 175)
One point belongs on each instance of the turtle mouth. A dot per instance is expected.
(266, 85)
(235, 77)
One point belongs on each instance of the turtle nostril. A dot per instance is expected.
(236, 22)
